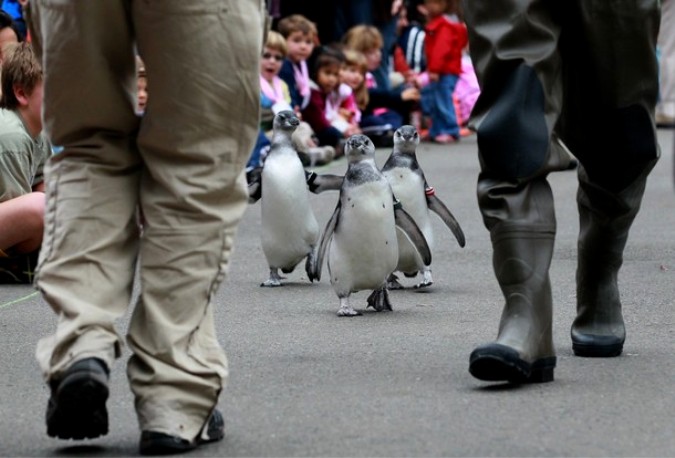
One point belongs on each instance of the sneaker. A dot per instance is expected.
(445, 139)
(76, 408)
(664, 121)
(18, 269)
(156, 443)
(320, 155)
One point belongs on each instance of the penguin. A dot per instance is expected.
(289, 228)
(361, 234)
(410, 186)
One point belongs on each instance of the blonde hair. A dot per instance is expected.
(363, 38)
(20, 67)
(277, 42)
(354, 58)
(297, 23)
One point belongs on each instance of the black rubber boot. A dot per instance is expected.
(523, 351)
(605, 218)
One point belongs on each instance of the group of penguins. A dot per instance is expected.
(380, 225)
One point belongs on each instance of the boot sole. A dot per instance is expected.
(496, 363)
(596, 346)
(78, 410)
(597, 351)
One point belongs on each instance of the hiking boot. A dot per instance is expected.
(76, 408)
(156, 443)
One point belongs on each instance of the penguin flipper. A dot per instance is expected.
(408, 225)
(254, 180)
(315, 261)
(437, 206)
(326, 182)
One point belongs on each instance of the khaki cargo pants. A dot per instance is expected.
(181, 164)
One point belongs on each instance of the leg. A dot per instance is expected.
(665, 110)
(379, 299)
(346, 309)
(445, 107)
(274, 280)
(22, 223)
(427, 279)
(393, 283)
(88, 256)
(202, 60)
(614, 139)
(514, 119)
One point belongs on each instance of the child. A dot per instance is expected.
(328, 97)
(379, 126)
(353, 74)
(300, 34)
(142, 86)
(387, 106)
(24, 149)
(445, 39)
(275, 97)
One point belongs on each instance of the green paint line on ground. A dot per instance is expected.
(21, 299)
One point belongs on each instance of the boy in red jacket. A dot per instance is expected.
(445, 39)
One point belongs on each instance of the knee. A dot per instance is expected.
(33, 216)
(513, 138)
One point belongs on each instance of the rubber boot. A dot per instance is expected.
(605, 218)
(523, 351)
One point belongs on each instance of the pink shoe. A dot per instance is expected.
(445, 139)
(464, 132)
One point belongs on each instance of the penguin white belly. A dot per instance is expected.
(289, 228)
(408, 187)
(363, 250)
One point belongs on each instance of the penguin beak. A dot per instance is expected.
(294, 121)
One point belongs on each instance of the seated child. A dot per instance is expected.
(330, 109)
(275, 97)
(391, 104)
(300, 34)
(24, 150)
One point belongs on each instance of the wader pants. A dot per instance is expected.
(560, 76)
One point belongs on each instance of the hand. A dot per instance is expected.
(353, 129)
(346, 114)
(412, 93)
(434, 77)
(396, 6)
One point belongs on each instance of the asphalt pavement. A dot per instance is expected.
(304, 382)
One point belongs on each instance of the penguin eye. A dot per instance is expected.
(416, 135)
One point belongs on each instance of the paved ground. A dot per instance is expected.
(307, 383)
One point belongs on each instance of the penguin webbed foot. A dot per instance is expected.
(392, 282)
(270, 283)
(423, 284)
(274, 280)
(427, 281)
(346, 309)
(348, 312)
(379, 300)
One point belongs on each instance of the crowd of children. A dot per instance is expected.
(337, 90)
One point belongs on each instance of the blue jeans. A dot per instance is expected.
(437, 103)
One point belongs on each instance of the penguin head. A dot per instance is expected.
(406, 139)
(286, 121)
(359, 147)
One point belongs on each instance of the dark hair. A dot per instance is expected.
(323, 56)
(7, 21)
